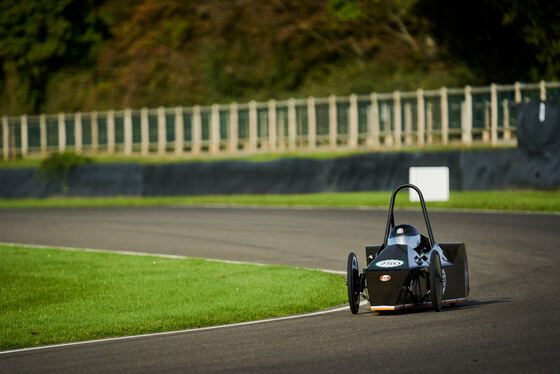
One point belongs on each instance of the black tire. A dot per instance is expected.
(436, 281)
(467, 281)
(353, 283)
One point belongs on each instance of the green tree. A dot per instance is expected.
(37, 38)
(503, 41)
(173, 52)
(69, 55)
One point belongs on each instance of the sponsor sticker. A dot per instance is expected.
(385, 278)
(400, 231)
(389, 263)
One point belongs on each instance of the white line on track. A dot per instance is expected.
(138, 253)
(156, 334)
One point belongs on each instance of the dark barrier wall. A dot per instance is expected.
(469, 170)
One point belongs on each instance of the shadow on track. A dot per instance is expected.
(469, 304)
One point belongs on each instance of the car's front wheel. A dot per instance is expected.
(353, 283)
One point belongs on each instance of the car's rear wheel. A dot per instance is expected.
(353, 283)
(436, 281)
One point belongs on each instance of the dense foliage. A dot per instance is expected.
(67, 55)
(57, 166)
(37, 39)
(502, 40)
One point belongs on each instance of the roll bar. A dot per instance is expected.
(391, 217)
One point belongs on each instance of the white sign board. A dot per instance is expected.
(432, 181)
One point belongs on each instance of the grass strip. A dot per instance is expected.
(544, 201)
(52, 296)
(257, 157)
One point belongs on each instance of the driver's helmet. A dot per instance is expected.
(405, 235)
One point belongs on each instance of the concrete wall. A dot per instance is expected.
(469, 170)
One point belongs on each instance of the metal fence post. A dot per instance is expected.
(311, 124)
(444, 116)
(272, 125)
(110, 132)
(494, 114)
(179, 131)
(61, 133)
(253, 132)
(144, 132)
(196, 130)
(372, 139)
(353, 122)
(78, 132)
(233, 128)
(542, 87)
(5, 138)
(388, 140)
(407, 124)
(43, 133)
(162, 130)
(466, 123)
(127, 132)
(24, 136)
(420, 116)
(292, 125)
(429, 122)
(397, 118)
(215, 129)
(94, 132)
(282, 128)
(333, 131)
(505, 109)
(486, 131)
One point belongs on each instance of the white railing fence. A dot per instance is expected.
(467, 116)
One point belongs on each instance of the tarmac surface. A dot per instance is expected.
(510, 322)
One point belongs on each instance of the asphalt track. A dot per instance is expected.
(510, 323)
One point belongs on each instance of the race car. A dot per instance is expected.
(408, 269)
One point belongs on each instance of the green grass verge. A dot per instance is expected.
(258, 157)
(53, 296)
(137, 159)
(547, 201)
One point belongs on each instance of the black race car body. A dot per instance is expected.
(409, 269)
(398, 278)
